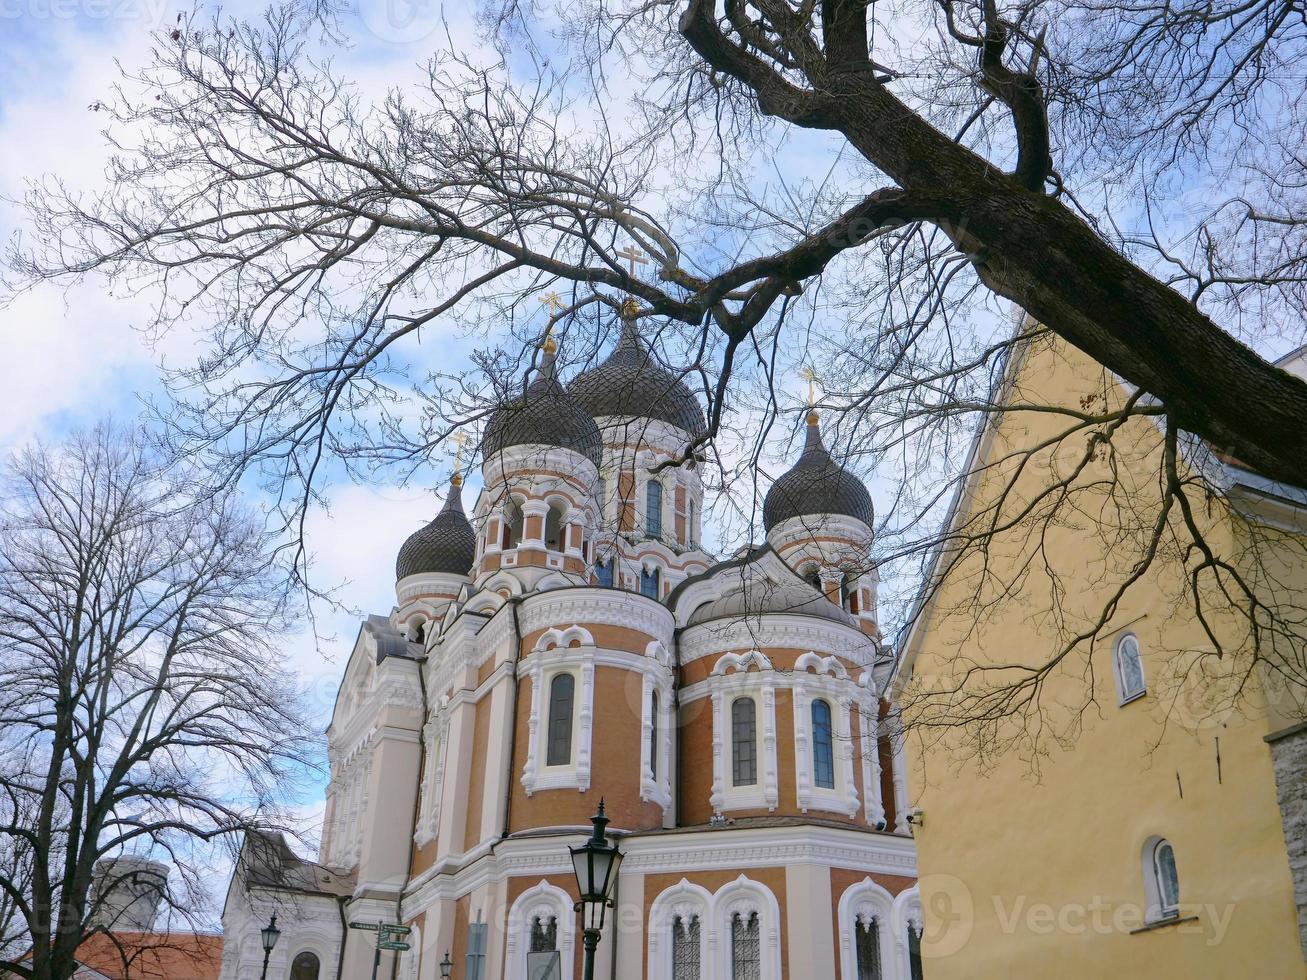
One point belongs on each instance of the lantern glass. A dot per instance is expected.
(446, 967)
(270, 935)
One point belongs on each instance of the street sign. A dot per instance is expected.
(395, 929)
(369, 926)
(392, 944)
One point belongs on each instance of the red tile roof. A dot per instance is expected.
(153, 956)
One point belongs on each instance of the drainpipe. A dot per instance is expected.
(417, 804)
(341, 900)
(514, 602)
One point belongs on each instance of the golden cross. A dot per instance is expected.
(460, 440)
(812, 377)
(554, 301)
(633, 255)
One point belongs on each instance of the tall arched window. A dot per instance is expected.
(544, 934)
(653, 734)
(554, 528)
(746, 947)
(650, 582)
(305, 966)
(1129, 668)
(1164, 890)
(823, 746)
(866, 943)
(744, 742)
(687, 948)
(514, 521)
(604, 573)
(691, 534)
(561, 695)
(653, 509)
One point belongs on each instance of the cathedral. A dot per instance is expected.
(565, 638)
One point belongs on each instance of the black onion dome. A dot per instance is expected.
(630, 383)
(816, 484)
(545, 415)
(448, 544)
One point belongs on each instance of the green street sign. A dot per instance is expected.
(396, 929)
(392, 944)
(369, 926)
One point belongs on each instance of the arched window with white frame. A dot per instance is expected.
(1129, 668)
(747, 921)
(823, 745)
(866, 916)
(678, 933)
(744, 742)
(514, 523)
(305, 966)
(651, 582)
(1161, 879)
(562, 700)
(555, 529)
(541, 930)
(653, 509)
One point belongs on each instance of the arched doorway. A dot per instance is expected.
(305, 967)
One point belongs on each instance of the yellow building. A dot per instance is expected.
(1095, 727)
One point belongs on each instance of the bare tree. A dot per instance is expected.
(1130, 176)
(143, 708)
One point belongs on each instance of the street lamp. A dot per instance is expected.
(446, 967)
(270, 934)
(596, 863)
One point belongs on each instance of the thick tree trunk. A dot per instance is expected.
(1033, 250)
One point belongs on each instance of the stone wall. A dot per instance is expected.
(1289, 755)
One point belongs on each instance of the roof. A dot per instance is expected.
(631, 383)
(152, 955)
(448, 544)
(545, 415)
(267, 861)
(816, 484)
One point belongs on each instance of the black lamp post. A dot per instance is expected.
(596, 863)
(270, 934)
(446, 967)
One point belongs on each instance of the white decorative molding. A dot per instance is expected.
(656, 786)
(434, 741)
(746, 897)
(865, 902)
(907, 915)
(541, 901)
(777, 631)
(685, 901)
(733, 678)
(542, 667)
(830, 684)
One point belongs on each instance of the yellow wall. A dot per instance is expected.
(1034, 826)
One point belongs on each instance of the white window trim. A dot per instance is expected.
(657, 677)
(683, 900)
(1154, 910)
(732, 678)
(435, 738)
(1122, 696)
(868, 899)
(554, 655)
(869, 728)
(907, 915)
(541, 900)
(745, 896)
(831, 684)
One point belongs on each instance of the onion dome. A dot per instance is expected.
(632, 384)
(545, 415)
(816, 484)
(447, 545)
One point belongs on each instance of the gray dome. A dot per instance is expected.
(630, 383)
(545, 415)
(816, 484)
(448, 544)
(760, 597)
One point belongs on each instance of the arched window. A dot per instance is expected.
(653, 735)
(554, 528)
(1164, 890)
(866, 944)
(686, 948)
(305, 966)
(544, 934)
(844, 592)
(691, 533)
(746, 947)
(1129, 668)
(561, 695)
(744, 743)
(650, 581)
(812, 576)
(604, 573)
(653, 509)
(823, 746)
(514, 521)
(914, 951)
(601, 496)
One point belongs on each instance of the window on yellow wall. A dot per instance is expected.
(1162, 879)
(1129, 668)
